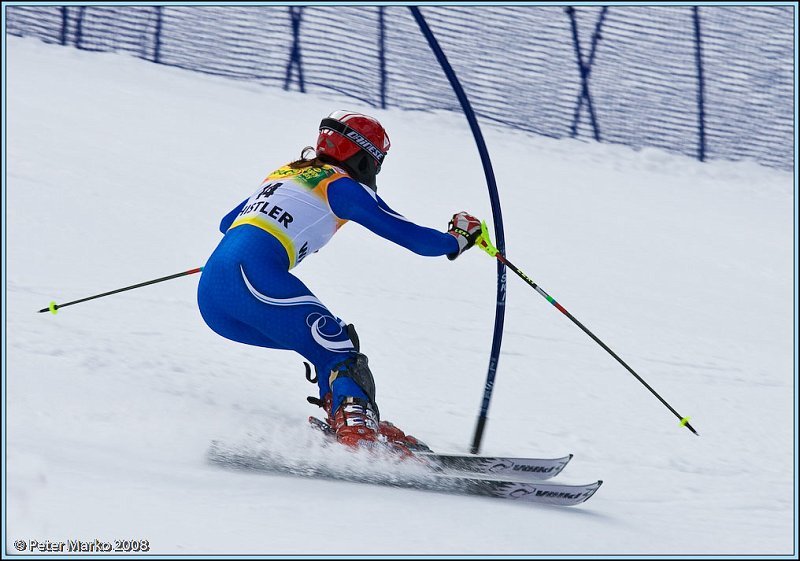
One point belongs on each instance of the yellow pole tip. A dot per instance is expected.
(53, 308)
(684, 421)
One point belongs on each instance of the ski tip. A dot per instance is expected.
(571, 456)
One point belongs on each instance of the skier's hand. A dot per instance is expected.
(466, 229)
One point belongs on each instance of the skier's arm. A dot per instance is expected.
(350, 200)
(230, 217)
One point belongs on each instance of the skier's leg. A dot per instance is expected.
(250, 297)
(231, 328)
(253, 299)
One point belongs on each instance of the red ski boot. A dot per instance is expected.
(355, 423)
(395, 435)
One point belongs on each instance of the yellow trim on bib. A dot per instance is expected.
(282, 173)
(321, 191)
(280, 235)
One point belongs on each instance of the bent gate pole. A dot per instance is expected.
(496, 216)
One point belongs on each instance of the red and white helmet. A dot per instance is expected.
(344, 134)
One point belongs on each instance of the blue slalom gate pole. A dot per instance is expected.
(496, 216)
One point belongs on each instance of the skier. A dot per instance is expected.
(248, 294)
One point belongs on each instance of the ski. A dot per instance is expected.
(425, 480)
(498, 467)
(539, 492)
(518, 469)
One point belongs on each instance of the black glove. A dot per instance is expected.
(466, 229)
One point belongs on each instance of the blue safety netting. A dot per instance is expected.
(713, 82)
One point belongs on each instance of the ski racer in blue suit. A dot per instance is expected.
(248, 294)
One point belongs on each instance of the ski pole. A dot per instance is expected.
(53, 307)
(485, 244)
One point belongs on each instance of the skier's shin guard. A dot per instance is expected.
(356, 368)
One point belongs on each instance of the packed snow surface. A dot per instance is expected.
(119, 170)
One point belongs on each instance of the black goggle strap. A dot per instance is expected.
(354, 136)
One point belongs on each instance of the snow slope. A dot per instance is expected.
(119, 170)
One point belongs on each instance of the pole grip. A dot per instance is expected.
(485, 242)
